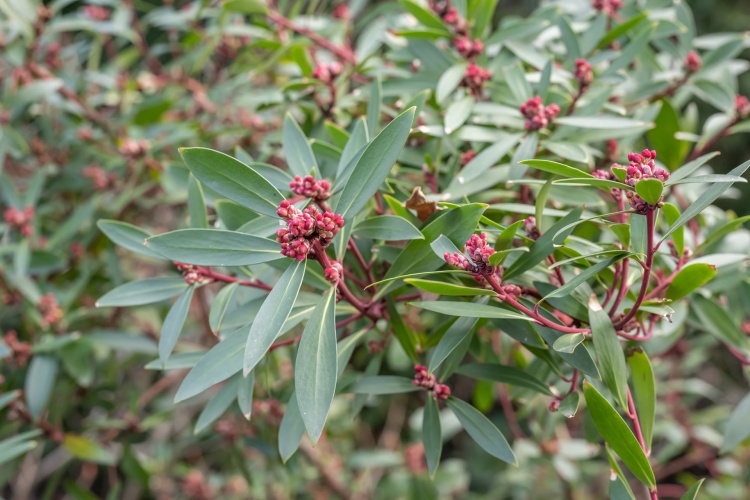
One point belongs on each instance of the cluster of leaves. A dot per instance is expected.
(463, 279)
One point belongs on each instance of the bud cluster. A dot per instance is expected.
(50, 310)
(427, 381)
(21, 350)
(642, 166)
(307, 186)
(478, 262)
(20, 220)
(99, 177)
(468, 49)
(532, 231)
(327, 72)
(334, 272)
(609, 7)
(475, 78)
(693, 62)
(584, 73)
(538, 116)
(304, 228)
(134, 148)
(450, 16)
(742, 106)
(191, 273)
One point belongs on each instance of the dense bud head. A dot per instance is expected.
(537, 115)
(742, 106)
(327, 72)
(307, 186)
(693, 62)
(584, 73)
(467, 48)
(642, 166)
(305, 227)
(609, 7)
(475, 78)
(334, 272)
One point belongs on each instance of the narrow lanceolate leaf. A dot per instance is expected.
(233, 179)
(443, 288)
(644, 393)
(383, 384)
(458, 333)
(291, 430)
(127, 236)
(387, 227)
(704, 200)
(692, 492)
(196, 204)
(717, 320)
(170, 330)
(568, 343)
(556, 168)
(689, 279)
(297, 150)
(245, 394)
(141, 292)
(316, 366)
(405, 335)
(214, 247)
(218, 404)
(609, 356)
(504, 375)
(220, 305)
(737, 429)
(468, 309)
(374, 165)
(482, 430)
(586, 274)
(272, 314)
(688, 168)
(432, 437)
(40, 380)
(618, 435)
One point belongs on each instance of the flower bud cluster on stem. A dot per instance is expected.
(427, 381)
(538, 116)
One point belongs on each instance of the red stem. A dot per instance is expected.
(208, 273)
(344, 54)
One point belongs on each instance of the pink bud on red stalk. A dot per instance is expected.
(537, 115)
(334, 272)
(609, 7)
(741, 106)
(692, 62)
(532, 231)
(474, 78)
(478, 261)
(307, 186)
(327, 72)
(467, 156)
(426, 380)
(467, 48)
(304, 228)
(583, 73)
(20, 220)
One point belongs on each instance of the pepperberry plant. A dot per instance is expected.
(444, 219)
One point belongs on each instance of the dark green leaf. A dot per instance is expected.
(175, 320)
(609, 356)
(504, 375)
(443, 288)
(127, 236)
(141, 292)
(689, 279)
(432, 437)
(482, 431)
(214, 247)
(300, 158)
(383, 384)
(644, 393)
(650, 190)
(458, 333)
(468, 309)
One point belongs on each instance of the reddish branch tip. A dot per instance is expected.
(304, 228)
(537, 115)
(327, 72)
(609, 7)
(426, 380)
(741, 106)
(334, 272)
(584, 73)
(474, 79)
(467, 48)
(307, 186)
(478, 261)
(20, 220)
(692, 62)
(642, 166)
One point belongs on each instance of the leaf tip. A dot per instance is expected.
(594, 303)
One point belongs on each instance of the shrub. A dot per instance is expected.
(429, 222)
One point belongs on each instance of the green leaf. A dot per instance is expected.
(87, 450)
(483, 161)
(527, 149)
(568, 343)
(18, 445)
(650, 190)
(671, 150)
(214, 247)
(449, 80)
(737, 430)
(609, 356)
(402, 332)
(40, 380)
(457, 114)
(218, 404)
(569, 39)
(374, 104)
(468, 309)
(127, 236)
(720, 232)
(374, 165)
(245, 394)
(716, 320)
(569, 405)
(705, 199)
(315, 369)
(692, 492)
(671, 214)
(175, 320)
(300, 158)
(220, 305)
(545, 245)
(233, 179)
(383, 384)
(196, 204)
(688, 168)
(505, 239)
(599, 122)
(704, 179)
(456, 224)
(443, 288)
(504, 375)
(620, 30)
(618, 435)
(458, 333)
(432, 437)
(245, 6)
(273, 314)
(291, 430)
(644, 393)
(581, 277)
(141, 292)
(424, 16)
(689, 279)
(481, 430)
(387, 227)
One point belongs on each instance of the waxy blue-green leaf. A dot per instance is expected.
(432, 436)
(450, 289)
(644, 393)
(504, 375)
(457, 114)
(482, 431)
(39, 383)
(387, 227)
(127, 236)
(689, 279)
(618, 435)
(233, 179)
(599, 122)
(214, 247)
(173, 323)
(482, 162)
(221, 362)
(383, 384)
(468, 309)
(705, 199)
(458, 333)
(584, 275)
(690, 167)
(273, 314)
(717, 320)
(737, 430)
(220, 305)
(610, 359)
(567, 343)
(218, 404)
(245, 394)
(15, 446)
(291, 430)
(315, 369)
(141, 292)
(299, 155)
(374, 165)
(569, 405)
(196, 204)
(545, 245)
